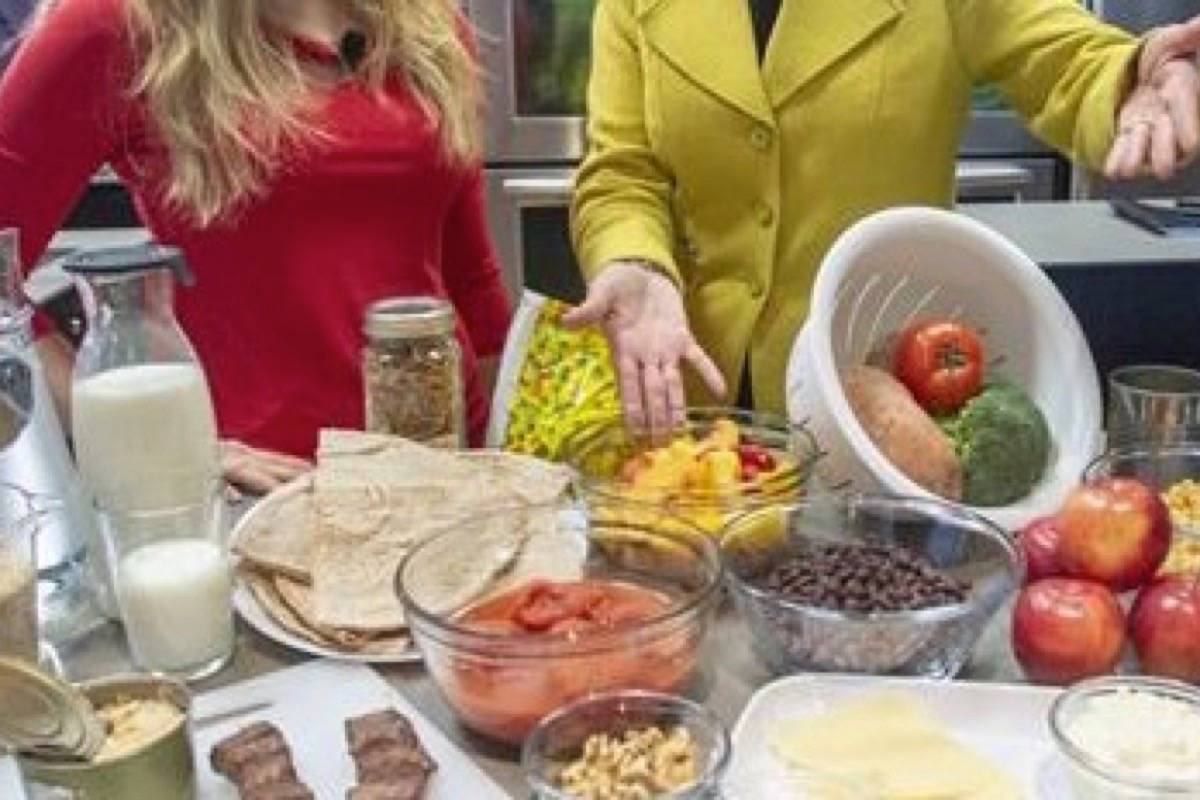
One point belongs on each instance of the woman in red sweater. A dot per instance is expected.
(300, 184)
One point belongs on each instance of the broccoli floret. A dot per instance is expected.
(1003, 442)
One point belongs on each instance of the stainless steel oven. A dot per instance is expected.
(536, 56)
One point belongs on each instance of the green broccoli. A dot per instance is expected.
(1003, 442)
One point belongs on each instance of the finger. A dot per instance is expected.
(1137, 151)
(283, 462)
(706, 369)
(592, 311)
(1162, 147)
(1181, 98)
(233, 495)
(629, 378)
(654, 393)
(1116, 157)
(676, 399)
(251, 478)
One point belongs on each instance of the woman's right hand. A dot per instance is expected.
(642, 313)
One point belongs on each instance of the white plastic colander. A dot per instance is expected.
(908, 263)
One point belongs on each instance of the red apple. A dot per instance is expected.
(1066, 629)
(1165, 625)
(1039, 543)
(1115, 531)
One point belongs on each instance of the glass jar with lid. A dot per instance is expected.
(412, 370)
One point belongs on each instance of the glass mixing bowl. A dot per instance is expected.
(501, 682)
(558, 739)
(930, 642)
(601, 455)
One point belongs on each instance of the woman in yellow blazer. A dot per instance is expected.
(715, 183)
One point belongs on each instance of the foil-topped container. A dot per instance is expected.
(57, 735)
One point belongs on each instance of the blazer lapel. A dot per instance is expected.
(812, 35)
(711, 42)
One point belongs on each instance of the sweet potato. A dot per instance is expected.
(902, 431)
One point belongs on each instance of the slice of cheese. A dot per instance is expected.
(891, 745)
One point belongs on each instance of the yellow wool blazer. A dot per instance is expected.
(735, 179)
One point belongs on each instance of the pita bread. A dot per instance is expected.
(449, 581)
(280, 538)
(376, 498)
(550, 552)
(528, 479)
(266, 590)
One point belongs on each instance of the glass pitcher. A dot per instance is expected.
(34, 455)
(142, 418)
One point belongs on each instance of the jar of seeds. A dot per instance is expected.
(412, 369)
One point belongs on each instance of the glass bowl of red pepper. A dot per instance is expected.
(720, 464)
(597, 598)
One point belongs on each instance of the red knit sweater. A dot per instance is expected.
(276, 311)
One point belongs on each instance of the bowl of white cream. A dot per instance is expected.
(1130, 738)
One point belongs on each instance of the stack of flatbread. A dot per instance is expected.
(321, 557)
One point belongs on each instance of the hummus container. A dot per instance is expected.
(55, 725)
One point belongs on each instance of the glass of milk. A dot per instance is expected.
(174, 586)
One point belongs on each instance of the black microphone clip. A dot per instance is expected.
(352, 49)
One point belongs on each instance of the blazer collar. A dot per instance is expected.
(711, 42)
(812, 35)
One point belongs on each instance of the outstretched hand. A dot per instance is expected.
(1159, 123)
(642, 314)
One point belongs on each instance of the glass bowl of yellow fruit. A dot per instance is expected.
(720, 464)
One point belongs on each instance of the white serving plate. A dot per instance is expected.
(257, 617)
(1006, 723)
(310, 704)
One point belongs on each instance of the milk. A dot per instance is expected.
(145, 436)
(175, 598)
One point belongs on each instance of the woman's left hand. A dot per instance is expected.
(1159, 123)
(248, 469)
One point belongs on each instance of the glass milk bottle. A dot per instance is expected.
(146, 443)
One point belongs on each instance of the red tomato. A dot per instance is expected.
(546, 604)
(941, 363)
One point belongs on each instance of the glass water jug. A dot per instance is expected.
(142, 418)
(34, 455)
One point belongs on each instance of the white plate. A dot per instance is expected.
(309, 704)
(256, 616)
(1004, 722)
(247, 606)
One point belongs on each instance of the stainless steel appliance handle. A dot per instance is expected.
(555, 189)
(978, 175)
(552, 189)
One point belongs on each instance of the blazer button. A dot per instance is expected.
(761, 137)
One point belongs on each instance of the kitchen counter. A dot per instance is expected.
(1134, 293)
(732, 677)
(1083, 235)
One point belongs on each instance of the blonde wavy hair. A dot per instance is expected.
(229, 102)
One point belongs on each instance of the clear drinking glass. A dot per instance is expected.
(174, 586)
(1153, 404)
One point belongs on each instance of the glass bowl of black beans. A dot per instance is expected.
(872, 584)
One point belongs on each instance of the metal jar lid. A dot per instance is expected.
(44, 717)
(409, 317)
